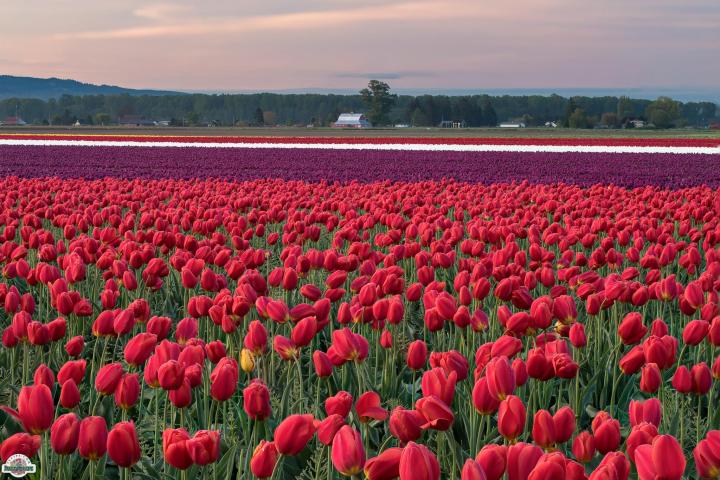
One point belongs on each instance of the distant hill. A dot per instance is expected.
(46, 88)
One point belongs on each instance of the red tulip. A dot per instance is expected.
(483, 401)
(92, 440)
(182, 397)
(577, 335)
(521, 460)
(706, 455)
(632, 329)
(44, 376)
(437, 414)
(472, 471)
(286, 348)
(64, 434)
(583, 447)
(69, 394)
(511, 417)
(417, 462)
(632, 361)
(170, 375)
(175, 448)
(123, 447)
(649, 411)
(368, 407)
(695, 332)
(564, 420)
(682, 381)
(650, 378)
(322, 363)
(493, 459)
(642, 434)
(606, 432)
(19, 443)
(663, 459)
(613, 466)
(127, 391)
(108, 377)
(327, 429)
(294, 433)
(349, 346)
(500, 377)
(405, 425)
(224, 379)
(442, 385)
(139, 348)
(36, 408)
(348, 454)
(417, 355)
(204, 447)
(543, 429)
(72, 369)
(340, 403)
(256, 400)
(701, 378)
(263, 460)
(386, 466)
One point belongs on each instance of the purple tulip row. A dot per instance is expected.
(627, 170)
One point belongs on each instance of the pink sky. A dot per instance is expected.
(253, 44)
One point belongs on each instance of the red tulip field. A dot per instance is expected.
(222, 308)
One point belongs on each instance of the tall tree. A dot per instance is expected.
(378, 100)
(259, 116)
(489, 117)
(570, 108)
(663, 112)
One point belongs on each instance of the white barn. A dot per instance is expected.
(352, 120)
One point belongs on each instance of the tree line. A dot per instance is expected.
(377, 102)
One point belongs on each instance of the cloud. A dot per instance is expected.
(402, 11)
(161, 12)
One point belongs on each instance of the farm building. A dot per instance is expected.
(452, 124)
(352, 120)
(512, 125)
(13, 122)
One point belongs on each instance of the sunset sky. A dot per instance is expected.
(226, 45)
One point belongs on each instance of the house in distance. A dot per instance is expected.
(352, 120)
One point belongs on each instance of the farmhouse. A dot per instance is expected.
(352, 120)
(13, 122)
(452, 124)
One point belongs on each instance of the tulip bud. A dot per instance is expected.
(36, 408)
(583, 447)
(175, 448)
(92, 440)
(64, 434)
(263, 460)
(123, 447)
(348, 454)
(417, 462)
(69, 394)
(293, 434)
(417, 355)
(204, 447)
(663, 459)
(511, 417)
(256, 400)
(108, 377)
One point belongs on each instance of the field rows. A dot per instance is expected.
(312, 313)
